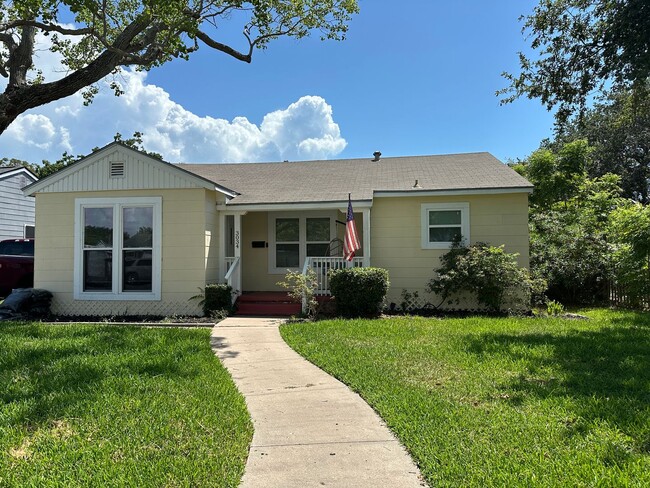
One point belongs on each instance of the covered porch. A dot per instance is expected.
(258, 246)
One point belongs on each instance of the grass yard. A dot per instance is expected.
(502, 402)
(93, 405)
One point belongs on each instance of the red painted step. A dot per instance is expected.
(272, 304)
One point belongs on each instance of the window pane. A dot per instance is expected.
(287, 230)
(317, 250)
(98, 271)
(98, 227)
(318, 230)
(137, 271)
(137, 226)
(444, 217)
(287, 256)
(444, 234)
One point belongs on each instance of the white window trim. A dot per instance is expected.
(302, 246)
(156, 258)
(464, 223)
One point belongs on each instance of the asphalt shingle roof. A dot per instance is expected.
(332, 180)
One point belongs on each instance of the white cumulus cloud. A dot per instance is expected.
(304, 130)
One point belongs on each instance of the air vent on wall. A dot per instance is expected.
(116, 169)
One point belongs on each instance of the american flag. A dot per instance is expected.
(351, 242)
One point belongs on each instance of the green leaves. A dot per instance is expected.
(582, 46)
(486, 272)
(110, 34)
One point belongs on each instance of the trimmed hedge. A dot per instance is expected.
(359, 292)
(218, 298)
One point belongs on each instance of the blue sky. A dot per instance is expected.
(407, 81)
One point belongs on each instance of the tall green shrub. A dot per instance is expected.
(359, 292)
(487, 272)
(218, 299)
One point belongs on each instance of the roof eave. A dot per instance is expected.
(453, 191)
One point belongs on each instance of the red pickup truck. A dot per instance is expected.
(16, 265)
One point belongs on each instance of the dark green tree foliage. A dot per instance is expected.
(570, 245)
(630, 230)
(107, 35)
(486, 272)
(556, 176)
(618, 130)
(359, 292)
(582, 46)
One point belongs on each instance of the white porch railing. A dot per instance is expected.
(228, 263)
(233, 277)
(322, 267)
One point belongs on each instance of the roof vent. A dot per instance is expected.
(116, 169)
(417, 184)
(377, 155)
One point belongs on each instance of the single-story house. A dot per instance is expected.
(121, 232)
(16, 209)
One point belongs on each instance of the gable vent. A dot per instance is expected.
(116, 169)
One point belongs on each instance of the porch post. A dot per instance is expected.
(237, 246)
(222, 246)
(366, 236)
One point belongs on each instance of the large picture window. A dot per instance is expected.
(117, 248)
(293, 237)
(442, 223)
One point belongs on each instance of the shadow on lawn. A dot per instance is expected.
(52, 372)
(606, 371)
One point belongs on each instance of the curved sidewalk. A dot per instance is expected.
(310, 429)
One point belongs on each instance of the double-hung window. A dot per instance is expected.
(293, 237)
(117, 248)
(443, 223)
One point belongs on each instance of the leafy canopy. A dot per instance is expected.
(582, 46)
(106, 35)
(617, 128)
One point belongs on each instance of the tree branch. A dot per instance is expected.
(224, 48)
(47, 27)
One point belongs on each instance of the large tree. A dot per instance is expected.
(581, 47)
(97, 37)
(618, 129)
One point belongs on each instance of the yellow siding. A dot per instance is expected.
(212, 236)
(189, 250)
(396, 235)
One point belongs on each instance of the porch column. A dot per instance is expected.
(222, 246)
(366, 236)
(237, 247)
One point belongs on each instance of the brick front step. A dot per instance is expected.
(270, 304)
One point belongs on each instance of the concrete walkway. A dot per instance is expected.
(310, 429)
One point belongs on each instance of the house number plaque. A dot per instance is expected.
(236, 239)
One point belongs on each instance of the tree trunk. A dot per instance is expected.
(17, 99)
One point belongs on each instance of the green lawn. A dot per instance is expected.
(502, 402)
(92, 405)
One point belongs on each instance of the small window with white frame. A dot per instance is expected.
(443, 223)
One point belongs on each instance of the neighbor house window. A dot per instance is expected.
(443, 223)
(293, 237)
(117, 248)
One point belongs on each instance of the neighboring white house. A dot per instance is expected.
(16, 209)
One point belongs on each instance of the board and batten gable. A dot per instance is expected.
(396, 235)
(16, 209)
(189, 232)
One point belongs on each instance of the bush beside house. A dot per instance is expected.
(359, 292)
